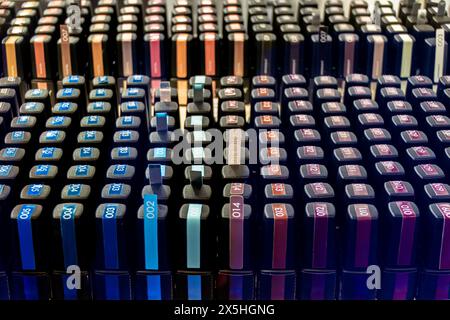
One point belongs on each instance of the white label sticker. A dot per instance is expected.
(439, 55)
(234, 146)
(405, 69)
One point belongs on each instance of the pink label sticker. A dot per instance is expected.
(237, 189)
(155, 57)
(360, 189)
(421, 151)
(236, 232)
(266, 119)
(320, 240)
(398, 186)
(371, 117)
(429, 169)
(363, 235)
(384, 149)
(334, 106)
(344, 136)
(310, 150)
(404, 118)
(377, 132)
(440, 119)
(444, 258)
(348, 153)
(266, 105)
(307, 133)
(353, 170)
(390, 166)
(274, 170)
(337, 120)
(232, 119)
(232, 104)
(434, 105)
(313, 169)
(280, 231)
(439, 189)
(414, 134)
(301, 118)
(263, 92)
(278, 189)
(271, 135)
(319, 188)
(273, 152)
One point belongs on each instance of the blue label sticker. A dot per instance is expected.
(52, 135)
(68, 235)
(115, 189)
(73, 79)
(127, 120)
(9, 152)
(162, 121)
(124, 151)
(42, 170)
(103, 79)
(31, 288)
(137, 78)
(132, 105)
(155, 174)
(120, 169)
(81, 170)
(132, 91)
(193, 235)
(110, 247)
(35, 190)
(100, 92)
(2, 187)
(92, 120)
(86, 152)
(160, 152)
(36, 92)
(154, 287)
(67, 92)
(18, 135)
(64, 106)
(112, 286)
(194, 284)
(23, 119)
(236, 287)
(125, 135)
(26, 237)
(69, 293)
(30, 106)
(164, 85)
(74, 190)
(99, 105)
(5, 170)
(48, 152)
(57, 121)
(151, 231)
(90, 135)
